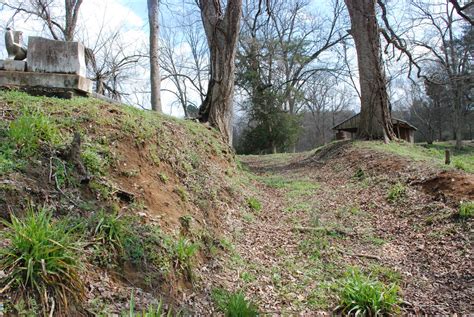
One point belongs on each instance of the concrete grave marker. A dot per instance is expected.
(51, 56)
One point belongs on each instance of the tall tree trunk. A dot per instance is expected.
(155, 79)
(222, 31)
(375, 118)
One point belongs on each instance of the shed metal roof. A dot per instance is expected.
(352, 123)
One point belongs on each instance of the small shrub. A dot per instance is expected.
(233, 304)
(466, 209)
(254, 204)
(40, 258)
(363, 296)
(396, 192)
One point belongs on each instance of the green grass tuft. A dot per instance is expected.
(29, 131)
(110, 230)
(233, 304)
(466, 209)
(363, 296)
(396, 192)
(254, 204)
(40, 259)
(184, 251)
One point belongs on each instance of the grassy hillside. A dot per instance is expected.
(100, 201)
(435, 153)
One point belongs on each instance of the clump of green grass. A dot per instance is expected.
(396, 192)
(233, 304)
(362, 295)
(40, 259)
(116, 239)
(30, 130)
(247, 277)
(110, 230)
(7, 160)
(466, 209)
(299, 207)
(184, 251)
(254, 204)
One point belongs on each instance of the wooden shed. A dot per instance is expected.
(347, 129)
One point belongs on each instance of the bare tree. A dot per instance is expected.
(113, 63)
(184, 62)
(451, 53)
(222, 32)
(60, 27)
(375, 118)
(462, 10)
(155, 79)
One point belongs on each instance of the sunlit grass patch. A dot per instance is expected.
(293, 188)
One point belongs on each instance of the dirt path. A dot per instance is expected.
(322, 215)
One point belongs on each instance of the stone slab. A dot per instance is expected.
(39, 80)
(12, 65)
(51, 56)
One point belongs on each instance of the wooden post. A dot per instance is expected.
(447, 159)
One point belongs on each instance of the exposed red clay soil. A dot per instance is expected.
(454, 185)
